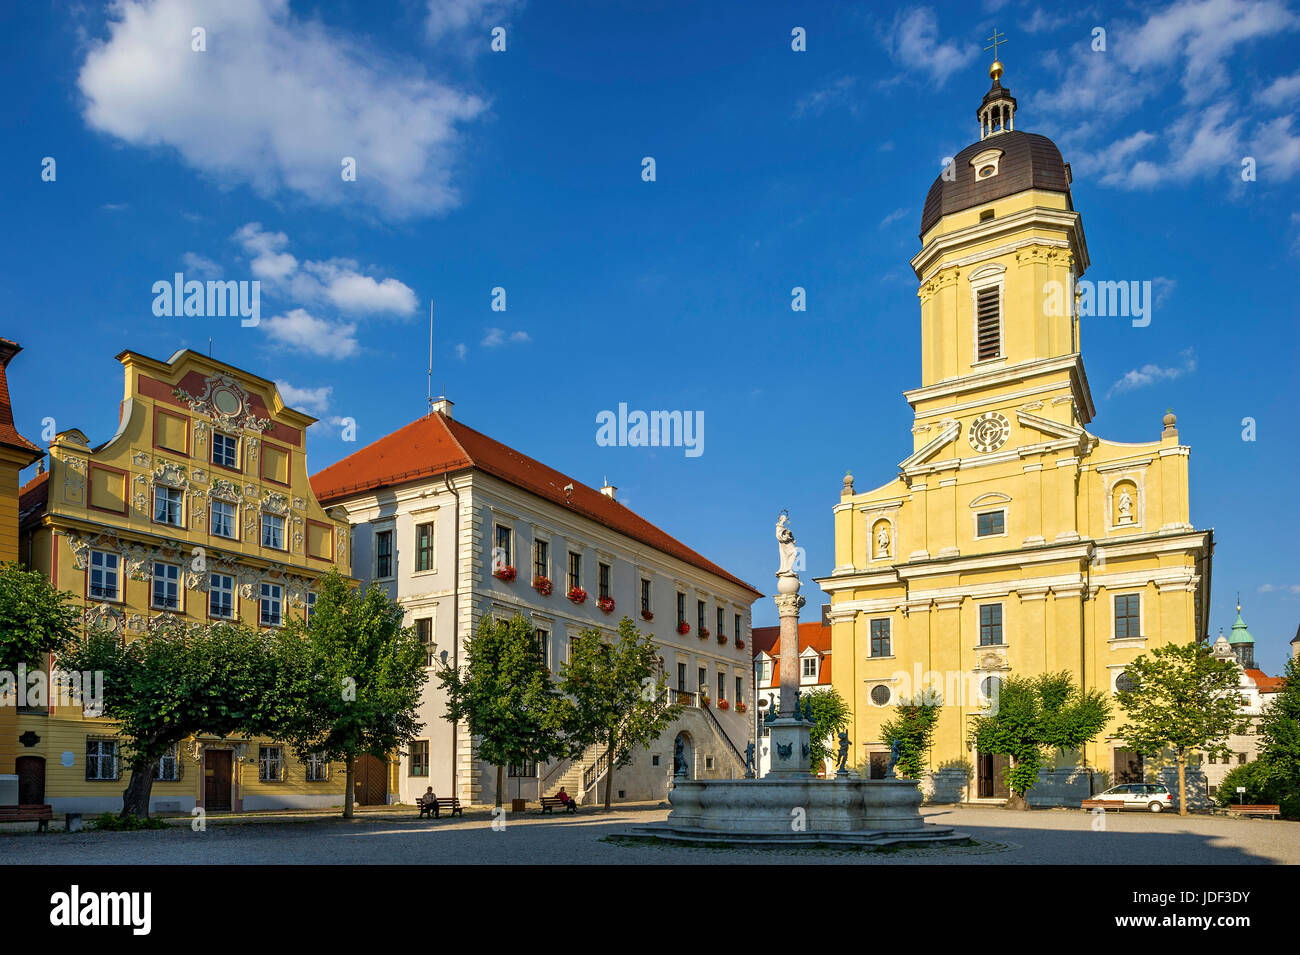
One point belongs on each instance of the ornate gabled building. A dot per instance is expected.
(16, 453)
(1257, 690)
(198, 508)
(1012, 540)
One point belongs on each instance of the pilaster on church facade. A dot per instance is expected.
(1012, 539)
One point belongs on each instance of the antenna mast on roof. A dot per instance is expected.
(429, 407)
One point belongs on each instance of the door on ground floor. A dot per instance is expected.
(217, 778)
(31, 780)
(993, 776)
(371, 783)
(1128, 766)
(879, 765)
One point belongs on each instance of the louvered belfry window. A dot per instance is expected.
(988, 342)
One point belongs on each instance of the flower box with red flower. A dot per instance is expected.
(723, 704)
(683, 628)
(742, 707)
(722, 638)
(577, 595)
(740, 644)
(543, 586)
(504, 572)
(704, 633)
(647, 615)
(704, 700)
(606, 604)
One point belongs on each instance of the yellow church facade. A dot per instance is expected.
(199, 509)
(1012, 540)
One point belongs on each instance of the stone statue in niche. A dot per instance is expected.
(1124, 507)
(882, 540)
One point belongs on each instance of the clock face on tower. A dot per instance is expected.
(988, 432)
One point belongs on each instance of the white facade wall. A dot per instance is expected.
(486, 503)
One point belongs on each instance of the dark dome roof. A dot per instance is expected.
(1028, 161)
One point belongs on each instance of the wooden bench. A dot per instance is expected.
(1099, 804)
(41, 815)
(447, 804)
(550, 802)
(1271, 811)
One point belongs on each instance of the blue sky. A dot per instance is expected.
(522, 170)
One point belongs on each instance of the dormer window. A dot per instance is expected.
(985, 163)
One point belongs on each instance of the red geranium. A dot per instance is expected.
(740, 644)
(722, 638)
(741, 707)
(704, 633)
(577, 595)
(606, 604)
(504, 572)
(647, 615)
(543, 586)
(683, 628)
(723, 704)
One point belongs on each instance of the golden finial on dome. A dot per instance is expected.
(995, 71)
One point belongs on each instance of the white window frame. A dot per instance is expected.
(180, 505)
(214, 590)
(233, 439)
(1142, 611)
(316, 768)
(1002, 623)
(234, 520)
(272, 518)
(104, 571)
(173, 757)
(308, 606)
(172, 582)
(267, 762)
(275, 594)
(990, 276)
(994, 510)
(804, 658)
(99, 758)
(497, 527)
(392, 553)
(889, 626)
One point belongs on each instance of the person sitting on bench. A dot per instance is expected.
(429, 803)
(564, 797)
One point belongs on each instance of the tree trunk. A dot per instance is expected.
(135, 798)
(1017, 801)
(501, 783)
(609, 772)
(1182, 783)
(349, 796)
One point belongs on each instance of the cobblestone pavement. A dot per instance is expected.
(1002, 837)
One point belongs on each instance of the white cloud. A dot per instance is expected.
(458, 16)
(461, 351)
(1278, 149)
(496, 337)
(301, 330)
(276, 101)
(818, 101)
(1151, 373)
(337, 282)
(1283, 91)
(913, 42)
(313, 401)
(200, 265)
(893, 217)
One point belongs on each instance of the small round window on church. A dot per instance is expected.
(986, 171)
(1125, 683)
(880, 695)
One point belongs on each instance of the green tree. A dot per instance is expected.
(912, 728)
(176, 681)
(1252, 776)
(1184, 699)
(618, 694)
(351, 680)
(1279, 740)
(830, 715)
(35, 619)
(1029, 716)
(506, 695)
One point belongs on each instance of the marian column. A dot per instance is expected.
(788, 733)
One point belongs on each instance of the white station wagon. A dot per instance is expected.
(1149, 796)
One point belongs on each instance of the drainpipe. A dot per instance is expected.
(455, 609)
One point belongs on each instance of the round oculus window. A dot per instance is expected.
(1125, 683)
(986, 171)
(880, 695)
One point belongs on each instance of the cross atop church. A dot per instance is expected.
(996, 38)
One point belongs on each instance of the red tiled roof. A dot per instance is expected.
(9, 435)
(33, 498)
(814, 634)
(1266, 683)
(437, 444)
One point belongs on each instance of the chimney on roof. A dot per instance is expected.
(441, 405)
(609, 490)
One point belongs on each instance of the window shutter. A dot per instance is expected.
(988, 343)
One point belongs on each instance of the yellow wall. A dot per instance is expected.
(103, 499)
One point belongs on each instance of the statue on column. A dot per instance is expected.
(785, 542)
